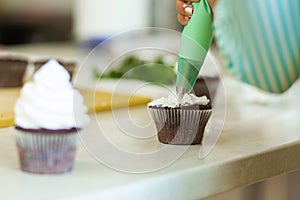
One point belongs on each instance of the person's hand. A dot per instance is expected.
(185, 10)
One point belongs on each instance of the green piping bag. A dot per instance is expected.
(194, 44)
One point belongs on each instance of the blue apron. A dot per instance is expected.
(259, 41)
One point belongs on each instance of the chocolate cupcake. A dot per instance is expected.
(12, 69)
(49, 116)
(206, 86)
(180, 124)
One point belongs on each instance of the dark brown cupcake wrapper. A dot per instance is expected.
(12, 72)
(179, 126)
(46, 153)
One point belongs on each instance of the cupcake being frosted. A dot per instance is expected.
(48, 116)
(183, 122)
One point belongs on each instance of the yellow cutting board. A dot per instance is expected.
(96, 101)
(8, 98)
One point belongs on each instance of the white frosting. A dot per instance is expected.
(172, 101)
(49, 101)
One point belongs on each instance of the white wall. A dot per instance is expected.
(102, 18)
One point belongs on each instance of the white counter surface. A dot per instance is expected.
(264, 141)
(260, 139)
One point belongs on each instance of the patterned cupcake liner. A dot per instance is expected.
(180, 126)
(46, 153)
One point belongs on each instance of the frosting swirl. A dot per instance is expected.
(172, 101)
(49, 101)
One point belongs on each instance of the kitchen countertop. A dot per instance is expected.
(260, 139)
(262, 142)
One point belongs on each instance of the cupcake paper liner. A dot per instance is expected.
(46, 153)
(180, 126)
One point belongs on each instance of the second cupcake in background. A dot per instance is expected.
(49, 116)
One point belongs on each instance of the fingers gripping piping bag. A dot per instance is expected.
(194, 44)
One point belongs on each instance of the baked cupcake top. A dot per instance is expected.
(188, 101)
(50, 102)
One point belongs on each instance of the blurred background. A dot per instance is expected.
(32, 21)
(92, 21)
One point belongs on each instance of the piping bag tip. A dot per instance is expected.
(180, 92)
(186, 77)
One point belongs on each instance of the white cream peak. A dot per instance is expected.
(49, 101)
(172, 101)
